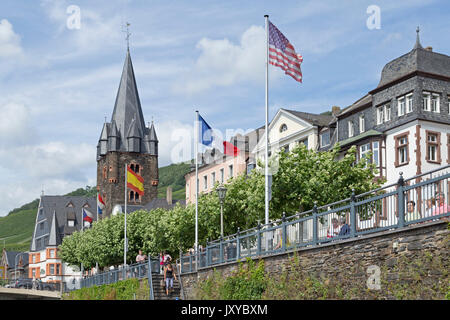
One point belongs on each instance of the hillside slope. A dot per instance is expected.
(16, 229)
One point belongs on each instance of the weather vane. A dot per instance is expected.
(128, 34)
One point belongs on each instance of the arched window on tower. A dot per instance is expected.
(132, 167)
(136, 197)
(131, 197)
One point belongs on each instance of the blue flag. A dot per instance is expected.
(205, 132)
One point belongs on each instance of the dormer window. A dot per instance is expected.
(283, 127)
(325, 138)
(351, 129)
(362, 124)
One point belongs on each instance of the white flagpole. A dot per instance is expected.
(196, 132)
(266, 171)
(125, 213)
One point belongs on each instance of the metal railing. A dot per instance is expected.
(391, 207)
(137, 270)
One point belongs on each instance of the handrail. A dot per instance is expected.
(179, 277)
(150, 279)
(363, 215)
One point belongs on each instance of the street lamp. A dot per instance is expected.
(221, 192)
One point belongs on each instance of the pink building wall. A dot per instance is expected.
(239, 166)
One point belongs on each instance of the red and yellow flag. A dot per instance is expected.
(135, 182)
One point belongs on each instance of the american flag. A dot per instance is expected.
(282, 54)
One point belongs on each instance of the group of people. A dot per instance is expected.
(166, 268)
(339, 227)
(435, 206)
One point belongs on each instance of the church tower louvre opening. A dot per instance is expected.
(125, 140)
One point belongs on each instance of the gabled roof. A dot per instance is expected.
(55, 214)
(364, 101)
(320, 120)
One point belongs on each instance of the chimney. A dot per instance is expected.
(429, 48)
(169, 195)
(335, 110)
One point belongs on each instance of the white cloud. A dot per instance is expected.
(15, 128)
(223, 63)
(50, 160)
(9, 41)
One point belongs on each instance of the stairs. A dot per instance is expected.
(159, 288)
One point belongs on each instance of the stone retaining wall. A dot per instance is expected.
(395, 264)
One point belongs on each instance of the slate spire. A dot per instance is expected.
(417, 45)
(128, 105)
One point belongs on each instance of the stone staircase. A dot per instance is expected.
(159, 288)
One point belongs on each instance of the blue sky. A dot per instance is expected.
(58, 84)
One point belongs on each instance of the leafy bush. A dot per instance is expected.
(248, 283)
(123, 290)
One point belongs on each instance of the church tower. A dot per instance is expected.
(126, 140)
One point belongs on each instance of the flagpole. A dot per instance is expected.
(125, 231)
(266, 171)
(196, 132)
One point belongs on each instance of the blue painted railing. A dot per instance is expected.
(386, 208)
(137, 270)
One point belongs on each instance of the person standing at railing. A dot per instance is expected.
(345, 228)
(334, 228)
(141, 257)
(441, 207)
(412, 213)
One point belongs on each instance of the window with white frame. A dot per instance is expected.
(383, 113)
(222, 175)
(351, 129)
(380, 115)
(401, 106)
(376, 153)
(435, 103)
(426, 101)
(448, 104)
(432, 147)
(230, 170)
(362, 124)
(325, 138)
(387, 112)
(213, 179)
(205, 182)
(409, 103)
(364, 150)
(433, 140)
(402, 150)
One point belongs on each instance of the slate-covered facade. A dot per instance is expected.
(57, 217)
(405, 121)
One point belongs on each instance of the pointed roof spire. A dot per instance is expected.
(127, 105)
(417, 45)
(152, 135)
(54, 238)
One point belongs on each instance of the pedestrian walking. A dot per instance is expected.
(169, 275)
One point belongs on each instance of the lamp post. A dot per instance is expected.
(221, 192)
